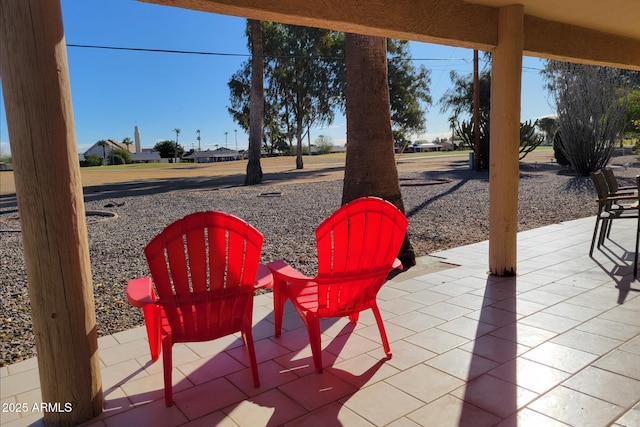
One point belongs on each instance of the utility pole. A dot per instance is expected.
(198, 138)
(476, 113)
(175, 150)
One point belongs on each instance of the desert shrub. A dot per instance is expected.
(93, 160)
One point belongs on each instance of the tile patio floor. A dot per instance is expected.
(557, 345)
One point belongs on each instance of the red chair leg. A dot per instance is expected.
(354, 317)
(313, 329)
(383, 333)
(167, 362)
(152, 322)
(248, 341)
(279, 300)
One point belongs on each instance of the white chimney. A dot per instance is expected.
(136, 136)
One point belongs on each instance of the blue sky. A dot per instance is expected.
(114, 90)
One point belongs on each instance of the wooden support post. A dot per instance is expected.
(35, 84)
(506, 76)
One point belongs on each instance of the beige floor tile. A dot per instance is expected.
(20, 383)
(473, 302)
(444, 310)
(155, 414)
(116, 375)
(466, 327)
(400, 306)
(272, 408)
(528, 418)
(150, 388)
(204, 370)
(630, 419)
(333, 414)
(610, 329)
(449, 411)
(402, 422)
(575, 408)
(585, 341)
(203, 399)
(123, 352)
(406, 355)
(519, 306)
(313, 391)
(549, 322)
(416, 321)
(462, 364)
(496, 396)
(436, 340)
(608, 386)
(494, 348)
(217, 418)
(363, 370)
(530, 375)
(523, 334)
(381, 403)
(271, 376)
(424, 382)
(560, 357)
(394, 332)
(621, 362)
(572, 311)
(632, 346)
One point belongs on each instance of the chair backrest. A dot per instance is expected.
(602, 190)
(610, 179)
(204, 267)
(357, 246)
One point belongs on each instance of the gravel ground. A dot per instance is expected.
(445, 208)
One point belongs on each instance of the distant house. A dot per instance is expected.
(221, 154)
(146, 157)
(111, 144)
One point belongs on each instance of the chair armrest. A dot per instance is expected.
(140, 292)
(283, 271)
(618, 197)
(264, 278)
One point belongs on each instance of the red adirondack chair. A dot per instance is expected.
(204, 270)
(357, 248)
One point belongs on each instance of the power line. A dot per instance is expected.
(243, 55)
(143, 49)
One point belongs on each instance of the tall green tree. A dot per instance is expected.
(256, 102)
(304, 86)
(169, 149)
(370, 168)
(548, 125)
(632, 125)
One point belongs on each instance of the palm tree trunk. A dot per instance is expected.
(370, 168)
(256, 106)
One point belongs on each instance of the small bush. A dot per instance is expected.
(119, 156)
(325, 148)
(93, 160)
(558, 153)
(117, 159)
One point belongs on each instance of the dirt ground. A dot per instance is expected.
(275, 169)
